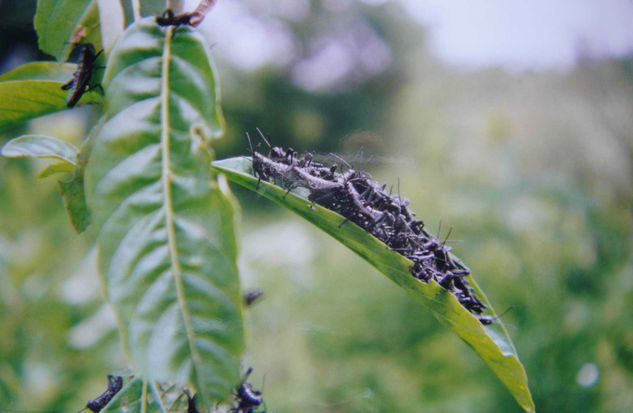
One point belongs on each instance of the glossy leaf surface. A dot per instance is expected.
(23, 100)
(491, 343)
(61, 72)
(166, 225)
(40, 146)
(62, 23)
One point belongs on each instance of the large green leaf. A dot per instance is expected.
(166, 224)
(61, 72)
(491, 343)
(23, 100)
(62, 23)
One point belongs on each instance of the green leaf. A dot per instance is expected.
(166, 225)
(137, 396)
(23, 100)
(60, 72)
(62, 23)
(491, 343)
(75, 202)
(56, 168)
(40, 146)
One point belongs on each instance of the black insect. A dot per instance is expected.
(246, 398)
(80, 83)
(194, 18)
(355, 196)
(115, 384)
(191, 404)
(250, 297)
(168, 18)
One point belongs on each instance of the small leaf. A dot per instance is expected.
(166, 238)
(62, 23)
(137, 396)
(73, 192)
(75, 202)
(60, 72)
(491, 343)
(56, 168)
(23, 100)
(40, 146)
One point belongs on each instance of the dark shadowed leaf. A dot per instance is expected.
(166, 224)
(491, 343)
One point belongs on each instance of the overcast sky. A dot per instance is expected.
(514, 34)
(521, 34)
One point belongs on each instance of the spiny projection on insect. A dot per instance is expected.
(358, 198)
(80, 83)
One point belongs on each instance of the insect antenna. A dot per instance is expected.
(487, 320)
(250, 143)
(448, 234)
(340, 158)
(263, 137)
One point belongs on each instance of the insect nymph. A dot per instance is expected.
(359, 199)
(80, 83)
(115, 384)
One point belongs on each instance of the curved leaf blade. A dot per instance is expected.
(56, 168)
(166, 230)
(491, 343)
(62, 23)
(23, 100)
(60, 72)
(40, 146)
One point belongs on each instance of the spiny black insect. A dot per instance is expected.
(115, 384)
(358, 198)
(247, 399)
(80, 82)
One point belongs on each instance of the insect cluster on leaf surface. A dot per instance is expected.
(358, 198)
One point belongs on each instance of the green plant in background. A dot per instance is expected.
(164, 217)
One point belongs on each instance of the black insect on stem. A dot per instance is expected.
(168, 18)
(115, 384)
(80, 83)
(194, 18)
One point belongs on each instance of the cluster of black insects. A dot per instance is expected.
(245, 398)
(355, 196)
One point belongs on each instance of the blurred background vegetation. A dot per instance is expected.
(497, 122)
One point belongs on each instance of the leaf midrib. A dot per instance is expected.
(166, 178)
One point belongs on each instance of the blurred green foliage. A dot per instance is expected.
(533, 171)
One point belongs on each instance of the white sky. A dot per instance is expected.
(525, 34)
(514, 34)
